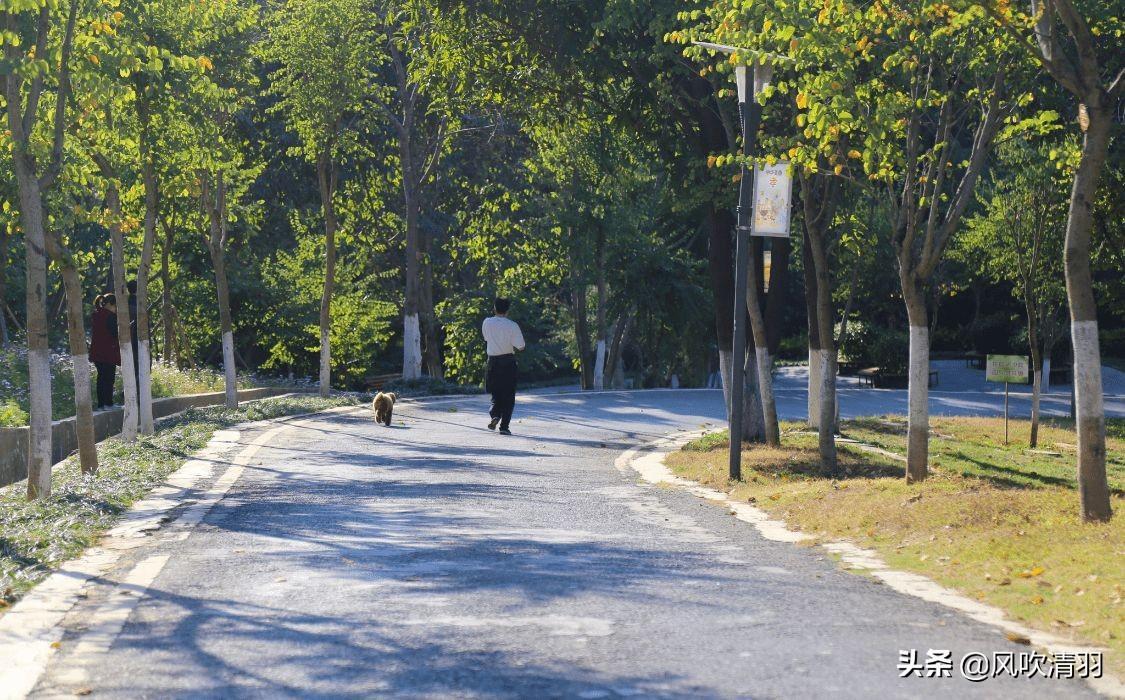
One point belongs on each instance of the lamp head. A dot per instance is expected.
(740, 80)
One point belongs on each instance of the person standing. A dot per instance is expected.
(503, 338)
(105, 353)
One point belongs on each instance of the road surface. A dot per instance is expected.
(437, 559)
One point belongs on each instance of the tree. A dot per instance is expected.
(324, 51)
(1018, 237)
(906, 98)
(37, 48)
(1078, 46)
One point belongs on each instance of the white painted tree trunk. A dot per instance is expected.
(230, 377)
(765, 388)
(325, 363)
(1090, 411)
(724, 379)
(599, 365)
(144, 391)
(1046, 372)
(129, 418)
(39, 437)
(411, 347)
(918, 404)
(817, 358)
(83, 404)
(753, 422)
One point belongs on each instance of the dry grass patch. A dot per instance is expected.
(999, 524)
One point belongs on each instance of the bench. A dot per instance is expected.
(870, 376)
(867, 376)
(378, 381)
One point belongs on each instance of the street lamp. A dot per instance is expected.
(750, 113)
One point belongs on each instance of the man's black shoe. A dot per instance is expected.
(505, 431)
(492, 423)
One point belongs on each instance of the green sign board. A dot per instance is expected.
(1010, 369)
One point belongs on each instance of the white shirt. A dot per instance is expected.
(503, 335)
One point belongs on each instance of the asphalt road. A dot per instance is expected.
(438, 559)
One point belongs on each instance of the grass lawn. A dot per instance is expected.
(37, 536)
(998, 523)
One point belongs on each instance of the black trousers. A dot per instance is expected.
(500, 381)
(107, 372)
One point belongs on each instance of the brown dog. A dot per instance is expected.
(383, 405)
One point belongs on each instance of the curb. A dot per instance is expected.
(647, 461)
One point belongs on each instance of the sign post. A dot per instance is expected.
(1007, 369)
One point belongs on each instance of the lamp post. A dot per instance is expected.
(750, 113)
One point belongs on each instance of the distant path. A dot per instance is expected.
(438, 559)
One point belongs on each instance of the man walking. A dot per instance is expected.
(504, 338)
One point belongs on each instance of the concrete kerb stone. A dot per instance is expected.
(31, 629)
(648, 461)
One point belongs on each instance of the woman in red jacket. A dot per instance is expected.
(105, 352)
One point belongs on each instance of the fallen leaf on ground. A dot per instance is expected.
(1017, 638)
(83, 691)
(1037, 600)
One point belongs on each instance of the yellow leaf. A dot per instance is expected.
(95, 60)
(711, 161)
(1037, 570)
(118, 16)
(839, 169)
(792, 45)
(802, 100)
(204, 63)
(1037, 600)
(854, 154)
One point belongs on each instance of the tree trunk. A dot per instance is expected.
(1036, 357)
(411, 335)
(826, 419)
(1093, 487)
(144, 335)
(918, 378)
(581, 324)
(763, 362)
(167, 350)
(79, 353)
(600, 328)
(5, 340)
(753, 417)
(216, 245)
(780, 249)
(326, 177)
(431, 332)
(816, 356)
(128, 377)
(38, 350)
(616, 349)
(720, 253)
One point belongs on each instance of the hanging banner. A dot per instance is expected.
(773, 189)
